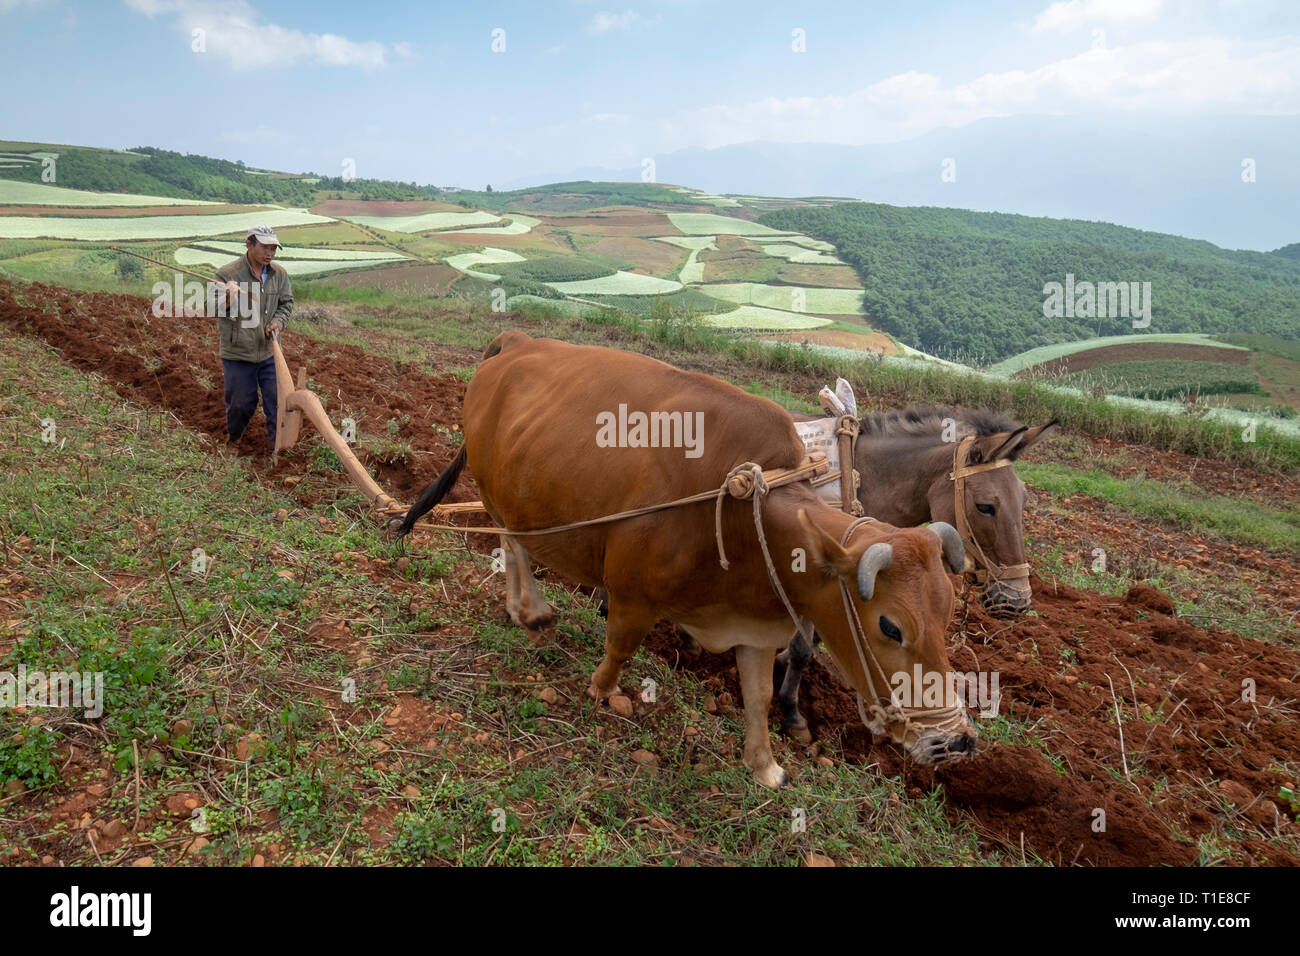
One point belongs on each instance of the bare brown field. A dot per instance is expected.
(1110, 354)
(614, 221)
(651, 258)
(867, 342)
(820, 277)
(424, 278)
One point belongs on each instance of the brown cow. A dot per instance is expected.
(537, 439)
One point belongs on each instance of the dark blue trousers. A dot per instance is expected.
(243, 379)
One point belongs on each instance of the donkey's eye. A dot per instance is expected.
(890, 629)
(987, 510)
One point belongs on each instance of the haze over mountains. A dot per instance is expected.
(1179, 175)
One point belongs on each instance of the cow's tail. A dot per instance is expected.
(435, 492)
(429, 497)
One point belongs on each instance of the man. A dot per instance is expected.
(246, 323)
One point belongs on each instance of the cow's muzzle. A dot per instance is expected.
(940, 737)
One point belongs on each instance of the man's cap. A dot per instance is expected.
(265, 235)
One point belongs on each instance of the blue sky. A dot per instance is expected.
(414, 91)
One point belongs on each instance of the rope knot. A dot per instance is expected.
(744, 480)
(848, 425)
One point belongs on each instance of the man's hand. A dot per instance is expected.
(273, 327)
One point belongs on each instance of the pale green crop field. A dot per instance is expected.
(704, 199)
(688, 242)
(800, 254)
(620, 283)
(1045, 353)
(692, 271)
(303, 252)
(567, 306)
(826, 301)
(427, 222)
(756, 317)
(518, 226)
(148, 227)
(295, 267)
(14, 193)
(710, 224)
(808, 242)
(467, 260)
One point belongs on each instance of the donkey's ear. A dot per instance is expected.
(993, 447)
(1030, 436)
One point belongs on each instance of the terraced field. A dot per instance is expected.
(147, 227)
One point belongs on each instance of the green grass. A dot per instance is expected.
(1185, 508)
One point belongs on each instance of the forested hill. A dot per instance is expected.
(970, 284)
(161, 172)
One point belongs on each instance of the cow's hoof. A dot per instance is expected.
(540, 621)
(772, 776)
(798, 731)
(595, 693)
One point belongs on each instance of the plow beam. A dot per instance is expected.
(297, 401)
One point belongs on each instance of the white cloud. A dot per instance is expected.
(1067, 15)
(1199, 75)
(605, 22)
(233, 31)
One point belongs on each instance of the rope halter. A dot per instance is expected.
(1011, 577)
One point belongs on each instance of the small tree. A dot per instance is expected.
(128, 267)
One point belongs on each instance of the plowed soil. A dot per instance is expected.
(1191, 763)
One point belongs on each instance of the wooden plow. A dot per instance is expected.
(296, 402)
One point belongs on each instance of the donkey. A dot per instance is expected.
(907, 460)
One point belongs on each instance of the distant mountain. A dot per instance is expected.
(1178, 175)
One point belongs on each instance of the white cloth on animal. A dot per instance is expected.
(819, 434)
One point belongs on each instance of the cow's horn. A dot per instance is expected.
(875, 559)
(954, 552)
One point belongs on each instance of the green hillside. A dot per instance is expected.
(162, 172)
(959, 283)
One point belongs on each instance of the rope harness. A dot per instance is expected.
(1013, 577)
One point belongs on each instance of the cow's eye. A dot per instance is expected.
(890, 629)
(986, 510)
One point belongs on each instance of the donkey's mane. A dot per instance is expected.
(914, 422)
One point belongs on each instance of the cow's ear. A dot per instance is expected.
(823, 550)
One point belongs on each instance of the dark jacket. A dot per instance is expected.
(244, 339)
